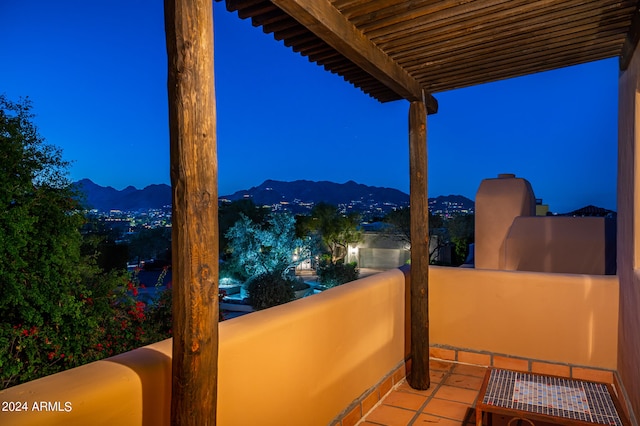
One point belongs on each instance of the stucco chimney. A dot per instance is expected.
(498, 202)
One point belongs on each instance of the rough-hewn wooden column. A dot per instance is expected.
(192, 122)
(419, 377)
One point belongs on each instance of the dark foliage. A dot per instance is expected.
(334, 274)
(269, 289)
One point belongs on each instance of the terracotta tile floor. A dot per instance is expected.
(449, 400)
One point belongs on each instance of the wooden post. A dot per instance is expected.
(419, 377)
(192, 123)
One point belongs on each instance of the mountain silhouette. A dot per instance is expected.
(294, 195)
(304, 191)
(128, 199)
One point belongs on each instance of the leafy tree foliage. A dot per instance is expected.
(399, 222)
(457, 232)
(333, 230)
(461, 234)
(57, 308)
(269, 289)
(230, 213)
(334, 274)
(150, 243)
(100, 240)
(268, 248)
(41, 269)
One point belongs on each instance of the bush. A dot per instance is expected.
(105, 320)
(299, 284)
(333, 274)
(59, 309)
(269, 289)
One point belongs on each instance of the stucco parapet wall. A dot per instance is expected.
(565, 318)
(319, 354)
(298, 363)
(560, 244)
(132, 388)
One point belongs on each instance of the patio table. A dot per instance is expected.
(531, 397)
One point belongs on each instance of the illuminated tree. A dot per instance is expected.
(266, 248)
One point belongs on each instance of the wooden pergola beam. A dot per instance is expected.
(326, 22)
(419, 211)
(631, 41)
(192, 129)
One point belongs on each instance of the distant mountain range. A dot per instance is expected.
(294, 195)
(272, 192)
(129, 199)
(446, 205)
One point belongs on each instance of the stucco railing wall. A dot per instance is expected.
(306, 361)
(564, 318)
(299, 363)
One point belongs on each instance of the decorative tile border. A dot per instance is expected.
(490, 359)
(363, 404)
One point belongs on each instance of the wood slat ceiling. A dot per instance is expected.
(450, 44)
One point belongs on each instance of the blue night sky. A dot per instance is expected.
(96, 74)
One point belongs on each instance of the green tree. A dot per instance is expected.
(269, 248)
(150, 243)
(39, 245)
(399, 222)
(100, 240)
(38, 221)
(332, 229)
(57, 308)
(230, 213)
(269, 289)
(461, 234)
(335, 274)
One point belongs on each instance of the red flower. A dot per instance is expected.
(51, 355)
(25, 332)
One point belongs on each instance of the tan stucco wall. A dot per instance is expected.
(629, 230)
(552, 317)
(306, 361)
(498, 202)
(576, 245)
(297, 364)
(130, 389)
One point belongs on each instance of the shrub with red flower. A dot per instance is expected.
(59, 309)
